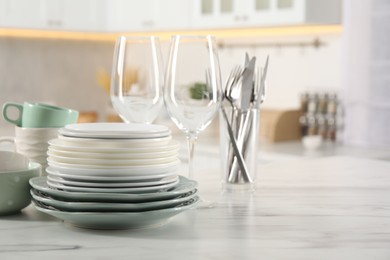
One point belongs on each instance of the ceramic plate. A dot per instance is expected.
(122, 184)
(115, 170)
(117, 220)
(59, 144)
(109, 179)
(185, 185)
(110, 206)
(115, 130)
(149, 189)
(107, 156)
(117, 143)
(110, 162)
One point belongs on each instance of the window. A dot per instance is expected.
(226, 6)
(261, 5)
(207, 6)
(285, 4)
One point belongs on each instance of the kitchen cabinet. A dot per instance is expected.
(20, 13)
(86, 15)
(154, 15)
(2, 12)
(148, 15)
(74, 15)
(247, 13)
(174, 14)
(129, 15)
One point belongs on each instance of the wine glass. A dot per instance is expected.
(192, 93)
(137, 79)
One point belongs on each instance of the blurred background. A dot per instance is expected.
(60, 52)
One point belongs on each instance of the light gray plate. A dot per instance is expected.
(122, 184)
(184, 186)
(110, 206)
(109, 179)
(117, 220)
(150, 189)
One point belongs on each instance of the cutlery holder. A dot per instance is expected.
(245, 129)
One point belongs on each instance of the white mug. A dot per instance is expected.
(32, 142)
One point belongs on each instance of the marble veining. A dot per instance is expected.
(336, 207)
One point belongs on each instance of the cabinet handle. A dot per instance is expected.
(148, 23)
(240, 17)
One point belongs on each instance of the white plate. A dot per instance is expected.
(115, 130)
(120, 172)
(92, 155)
(59, 144)
(110, 206)
(109, 179)
(117, 220)
(114, 143)
(167, 180)
(161, 167)
(85, 162)
(185, 186)
(134, 190)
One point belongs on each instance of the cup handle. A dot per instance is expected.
(18, 120)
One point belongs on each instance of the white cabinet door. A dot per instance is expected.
(52, 14)
(22, 13)
(277, 12)
(173, 14)
(250, 13)
(85, 15)
(131, 15)
(74, 15)
(219, 13)
(3, 11)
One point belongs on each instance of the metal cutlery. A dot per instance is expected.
(245, 91)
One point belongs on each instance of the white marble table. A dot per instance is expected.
(334, 207)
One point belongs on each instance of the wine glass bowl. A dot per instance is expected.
(137, 79)
(192, 93)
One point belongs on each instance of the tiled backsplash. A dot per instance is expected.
(64, 72)
(60, 72)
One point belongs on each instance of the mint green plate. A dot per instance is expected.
(110, 206)
(184, 186)
(117, 220)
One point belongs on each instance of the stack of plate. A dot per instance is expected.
(113, 175)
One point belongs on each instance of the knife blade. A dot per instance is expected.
(262, 83)
(247, 85)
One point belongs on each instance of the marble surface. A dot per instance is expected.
(323, 207)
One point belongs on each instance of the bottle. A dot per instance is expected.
(312, 104)
(304, 102)
(312, 125)
(332, 104)
(304, 125)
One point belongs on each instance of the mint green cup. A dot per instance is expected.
(39, 115)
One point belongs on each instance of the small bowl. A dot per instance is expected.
(312, 142)
(11, 161)
(15, 189)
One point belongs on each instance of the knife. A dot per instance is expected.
(247, 85)
(261, 93)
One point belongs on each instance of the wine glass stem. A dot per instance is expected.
(191, 140)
